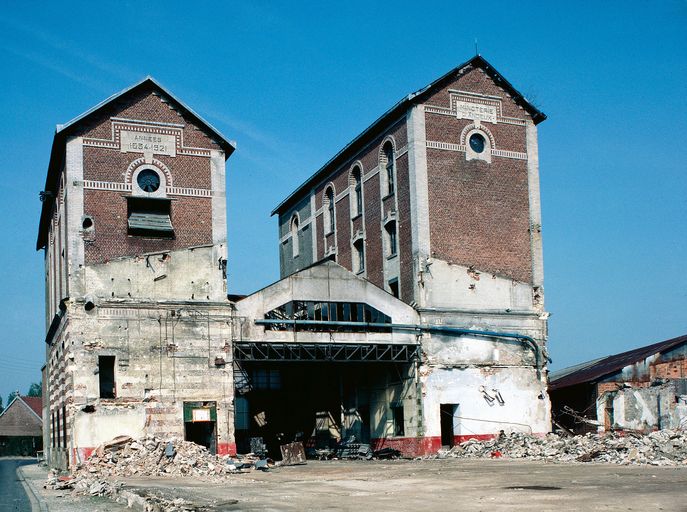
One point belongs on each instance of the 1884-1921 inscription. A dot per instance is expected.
(143, 142)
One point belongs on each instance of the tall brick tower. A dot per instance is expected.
(133, 226)
(437, 202)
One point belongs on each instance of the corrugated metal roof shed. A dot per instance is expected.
(594, 370)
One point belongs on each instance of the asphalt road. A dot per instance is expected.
(13, 498)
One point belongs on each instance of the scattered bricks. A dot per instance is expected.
(660, 448)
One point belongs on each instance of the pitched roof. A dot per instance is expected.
(35, 403)
(392, 114)
(594, 370)
(63, 131)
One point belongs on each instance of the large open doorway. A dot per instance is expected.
(448, 423)
(200, 424)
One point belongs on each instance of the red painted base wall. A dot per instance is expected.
(418, 446)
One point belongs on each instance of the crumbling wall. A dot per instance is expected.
(642, 408)
(165, 355)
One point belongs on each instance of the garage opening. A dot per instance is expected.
(200, 424)
(321, 396)
(448, 423)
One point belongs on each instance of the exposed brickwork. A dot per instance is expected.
(149, 107)
(479, 212)
(669, 370)
(190, 217)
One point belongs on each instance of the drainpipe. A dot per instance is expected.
(438, 329)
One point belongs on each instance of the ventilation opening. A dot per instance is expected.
(150, 217)
(87, 222)
(106, 374)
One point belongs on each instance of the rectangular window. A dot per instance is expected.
(390, 229)
(390, 178)
(393, 287)
(106, 374)
(64, 426)
(150, 217)
(397, 417)
(359, 250)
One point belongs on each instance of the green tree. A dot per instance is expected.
(11, 396)
(36, 389)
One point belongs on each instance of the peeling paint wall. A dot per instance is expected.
(643, 408)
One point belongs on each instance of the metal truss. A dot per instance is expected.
(247, 351)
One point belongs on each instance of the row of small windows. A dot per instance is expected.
(388, 173)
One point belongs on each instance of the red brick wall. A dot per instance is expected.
(369, 159)
(479, 212)
(191, 216)
(669, 370)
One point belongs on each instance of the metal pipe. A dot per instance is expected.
(439, 329)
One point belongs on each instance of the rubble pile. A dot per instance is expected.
(660, 448)
(151, 456)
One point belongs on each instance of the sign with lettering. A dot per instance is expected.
(476, 111)
(143, 142)
(201, 415)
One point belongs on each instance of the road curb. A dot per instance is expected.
(37, 501)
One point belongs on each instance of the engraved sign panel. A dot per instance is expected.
(476, 111)
(143, 142)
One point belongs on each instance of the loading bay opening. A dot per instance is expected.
(320, 394)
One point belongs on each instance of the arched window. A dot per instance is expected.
(357, 184)
(329, 218)
(359, 255)
(389, 166)
(295, 240)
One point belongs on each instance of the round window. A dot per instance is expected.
(148, 180)
(477, 142)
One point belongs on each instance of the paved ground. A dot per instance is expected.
(451, 484)
(12, 494)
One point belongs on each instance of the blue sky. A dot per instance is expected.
(293, 82)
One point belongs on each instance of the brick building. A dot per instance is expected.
(410, 309)
(133, 228)
(437, 202)
(642, 389)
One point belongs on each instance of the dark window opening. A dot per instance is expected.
(389, 164)
(150, 217)
(355, 312)
(53, 440)
(391, 237)
(398, 420)
(477, 142)
(64, 426)
(106, 374)
(393, 287)
(87, 222)
(330, 221)
(359, 246)
(358, 190)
